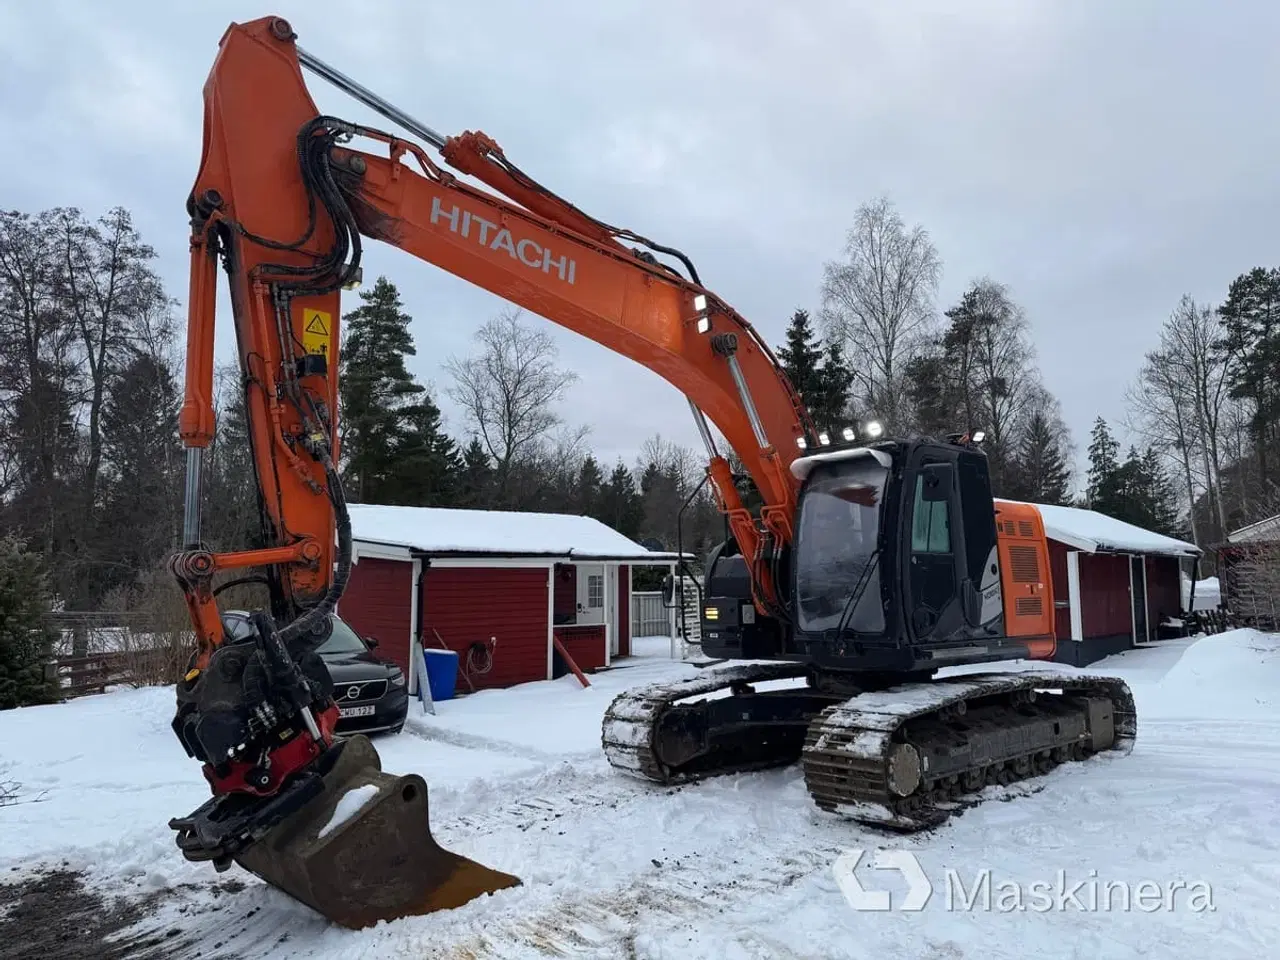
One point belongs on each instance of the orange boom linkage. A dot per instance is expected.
(868, 566)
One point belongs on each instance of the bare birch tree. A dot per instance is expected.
(1160, 411)
(1180, 403)
(508, 389)
(879, 302)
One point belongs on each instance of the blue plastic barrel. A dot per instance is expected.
(442, 673)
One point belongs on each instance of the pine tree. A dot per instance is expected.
(1251, 343)
(929, 392)
(26, 642)
(379, 397)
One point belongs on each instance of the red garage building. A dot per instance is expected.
(496, 587)
(1113, 582)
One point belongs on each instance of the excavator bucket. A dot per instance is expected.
(362, 851)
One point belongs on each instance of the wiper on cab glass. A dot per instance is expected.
(858, 590)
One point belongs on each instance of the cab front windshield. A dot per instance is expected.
(836, 544)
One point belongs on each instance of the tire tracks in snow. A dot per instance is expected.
(724, 844)
(607, 923)
(711, 857)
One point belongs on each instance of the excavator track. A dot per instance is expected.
(905, 759)
(648, 733)
(910, 757)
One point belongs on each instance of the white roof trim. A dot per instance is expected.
(1254, 531)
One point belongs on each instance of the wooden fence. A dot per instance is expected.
(649, 618)
(97, 649)
(77, 676)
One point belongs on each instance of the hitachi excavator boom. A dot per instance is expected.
(862, 570)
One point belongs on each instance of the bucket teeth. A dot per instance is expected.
(361, 850)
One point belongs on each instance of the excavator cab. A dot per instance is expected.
(895, 567)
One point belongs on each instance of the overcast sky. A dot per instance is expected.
(1100, 158)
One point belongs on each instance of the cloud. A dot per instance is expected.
(1099, 158)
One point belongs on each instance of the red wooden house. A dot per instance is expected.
(1113, 582)
(495, 587)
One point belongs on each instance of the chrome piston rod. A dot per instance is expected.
(370, 99)
(191, 499)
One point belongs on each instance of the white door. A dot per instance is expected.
(590, 593)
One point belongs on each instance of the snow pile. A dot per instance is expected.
(439, 530)
(348, 806)
(1232, 674)
(1208, 594)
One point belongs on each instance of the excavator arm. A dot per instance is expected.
(283, 201)
(272, 171)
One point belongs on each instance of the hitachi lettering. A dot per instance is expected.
(487, 233)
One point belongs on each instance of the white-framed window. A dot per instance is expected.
(595, 590)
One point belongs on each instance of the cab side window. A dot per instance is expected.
(931, 524)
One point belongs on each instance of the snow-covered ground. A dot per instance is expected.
(737, 867)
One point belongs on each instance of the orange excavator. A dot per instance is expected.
(870, 564)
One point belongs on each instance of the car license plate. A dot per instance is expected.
(356, 711)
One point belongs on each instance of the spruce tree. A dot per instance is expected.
(143, 483)
(619, 505)
(802, 356)
(1040, 473)
(835, 382)
(394, 450)
(427, 467)
(26, 642)
(588, 487)
(1104, 465)
(475, 481)
(1161, 495)
(819, 374)
(375, 386)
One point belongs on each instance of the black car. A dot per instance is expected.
(371, 692)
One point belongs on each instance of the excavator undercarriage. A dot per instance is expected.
(903, 758)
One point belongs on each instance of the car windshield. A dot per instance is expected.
(837, 542)
(341, 642)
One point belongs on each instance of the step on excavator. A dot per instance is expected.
(869, 564)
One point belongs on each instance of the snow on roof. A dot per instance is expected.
(1261, 530)
(1095, 532)
(440, 530)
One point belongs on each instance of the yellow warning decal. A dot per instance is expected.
(317, 331)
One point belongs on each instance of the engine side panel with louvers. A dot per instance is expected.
(1025, 576)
